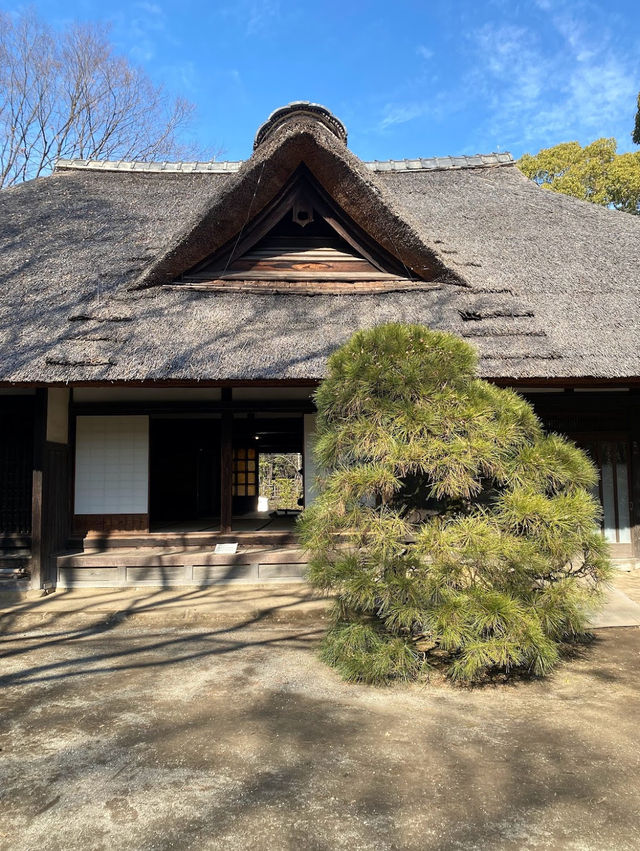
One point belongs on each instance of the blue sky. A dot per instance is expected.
(407, 78)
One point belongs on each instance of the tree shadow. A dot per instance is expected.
(228, 741)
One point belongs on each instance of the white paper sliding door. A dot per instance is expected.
(112, 465)
(611, 456)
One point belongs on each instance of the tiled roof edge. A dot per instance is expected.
(421, 164)
(442, 163)
(155, 167)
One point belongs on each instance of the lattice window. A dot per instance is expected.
(245, 471)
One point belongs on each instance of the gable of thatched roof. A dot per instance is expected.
(302, 237)
(552, 284)
(298, 140)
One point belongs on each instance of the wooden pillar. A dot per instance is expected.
(226, 465)
(38, 538)
(50, 483)
(634, 461)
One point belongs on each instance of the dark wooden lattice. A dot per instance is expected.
(16, 464)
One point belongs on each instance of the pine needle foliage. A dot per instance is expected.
(448, 525)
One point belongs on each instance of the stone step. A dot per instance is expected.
(13, 584)
(12, 563)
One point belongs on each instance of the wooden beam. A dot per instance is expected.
(634, 471)
(50, 496)
(291, 406)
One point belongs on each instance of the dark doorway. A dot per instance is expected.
(16, 464)
(184, 469)
(185, 475)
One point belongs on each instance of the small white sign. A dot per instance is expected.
(226, 549)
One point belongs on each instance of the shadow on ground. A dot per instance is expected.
(120, 737)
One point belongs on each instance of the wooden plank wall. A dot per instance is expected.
(109, 524)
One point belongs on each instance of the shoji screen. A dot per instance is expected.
(112, 465)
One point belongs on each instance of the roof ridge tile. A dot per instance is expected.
(462, 161)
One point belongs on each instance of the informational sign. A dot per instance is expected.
(226, 549)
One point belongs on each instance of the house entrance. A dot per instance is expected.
(184, 473)
(267, 461)
(186, 479)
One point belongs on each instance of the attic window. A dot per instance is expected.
(301, 236)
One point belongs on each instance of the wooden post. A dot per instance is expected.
(634, 462)
(226, 465)
(50, 484)
(38, 543)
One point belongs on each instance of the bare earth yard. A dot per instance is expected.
(159, 738)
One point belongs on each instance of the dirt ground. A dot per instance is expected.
(123, 737)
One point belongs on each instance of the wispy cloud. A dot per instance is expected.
(253, 17)
(436, 108)
(400, 113)
(424, 52)
(577, 87)
(147, 29)
(261, 14)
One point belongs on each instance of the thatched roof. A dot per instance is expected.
(544, 285)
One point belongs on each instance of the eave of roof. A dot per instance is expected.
(552, 283)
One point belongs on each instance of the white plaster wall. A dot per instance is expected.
(58, 415)
(112, 465)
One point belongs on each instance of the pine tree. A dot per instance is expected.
(448, 525)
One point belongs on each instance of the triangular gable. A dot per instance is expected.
(302, 154)
(301, 235)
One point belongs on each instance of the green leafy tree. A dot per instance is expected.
(593, 173)
(448, 525)
(281, 479)
(636, 130)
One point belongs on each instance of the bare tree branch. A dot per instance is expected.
(65, 95)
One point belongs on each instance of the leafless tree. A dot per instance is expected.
(69, 95)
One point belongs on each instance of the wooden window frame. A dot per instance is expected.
(236, 472)
(598, 437)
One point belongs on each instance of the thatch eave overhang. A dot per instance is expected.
(553, 283)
